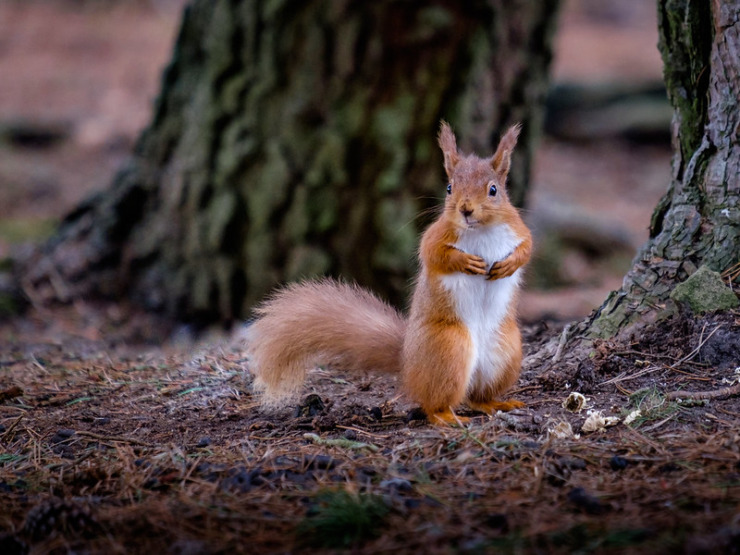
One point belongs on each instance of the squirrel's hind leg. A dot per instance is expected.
(436, 369)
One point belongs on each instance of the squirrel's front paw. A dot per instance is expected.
(473, 264)
(502, 269)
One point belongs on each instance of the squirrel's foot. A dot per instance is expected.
(489, 407)
(446, 418)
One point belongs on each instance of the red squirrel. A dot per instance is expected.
(460, 343)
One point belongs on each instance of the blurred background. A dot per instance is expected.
(78, 79)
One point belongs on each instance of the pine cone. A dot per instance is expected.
(58, 516)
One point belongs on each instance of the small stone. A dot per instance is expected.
(61, 435)
(311, 406)
(704, 291)
(574, 464)
(203, 442)
(618, 463)
(397, 485)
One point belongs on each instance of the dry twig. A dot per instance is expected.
(561, 343)
(699, 395)
(12, 427)
(119, 439)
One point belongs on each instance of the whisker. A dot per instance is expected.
(433, 210)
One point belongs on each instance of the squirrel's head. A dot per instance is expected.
(476, 187)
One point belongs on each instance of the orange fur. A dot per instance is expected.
(321, 322)
(444, 363)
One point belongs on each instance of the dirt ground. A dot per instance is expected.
(108, 447)
(119, 433)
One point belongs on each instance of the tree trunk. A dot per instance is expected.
(298, 138)
(697, 222)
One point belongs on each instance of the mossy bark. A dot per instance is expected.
(697, 222)
(293, 139)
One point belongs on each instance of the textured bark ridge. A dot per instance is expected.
(298, 138)
(698, 220)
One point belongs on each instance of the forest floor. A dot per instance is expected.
(114, 447)
(120, 433)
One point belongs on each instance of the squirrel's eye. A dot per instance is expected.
(492, 191)
(449, 188)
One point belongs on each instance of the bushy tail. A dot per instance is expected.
(321, 322)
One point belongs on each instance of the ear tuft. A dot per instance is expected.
(501, 160)
(448, 144)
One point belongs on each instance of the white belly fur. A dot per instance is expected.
(482, 304)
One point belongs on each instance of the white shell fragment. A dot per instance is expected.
(732, 380)
(562, 430)
(631, 417)
(597, 422)
(575, 402)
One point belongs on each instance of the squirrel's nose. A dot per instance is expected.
(465, 211)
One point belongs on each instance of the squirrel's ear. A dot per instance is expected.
(501, 159)
(448, 144)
